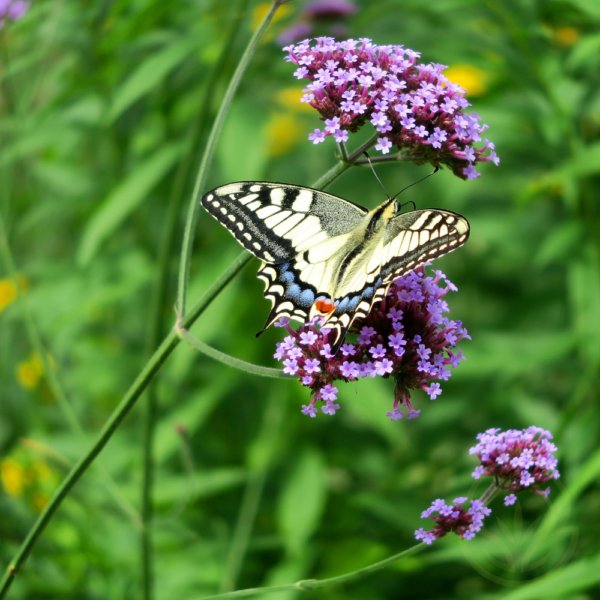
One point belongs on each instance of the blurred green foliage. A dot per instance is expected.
(101, 105)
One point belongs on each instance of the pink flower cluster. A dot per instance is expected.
(412, 105)
(518, 459)
(453, 518)
(406, 337)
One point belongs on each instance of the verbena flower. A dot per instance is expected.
(12, 10)
(412, 105)
(518, 459)
(405, 337)
(453, 518)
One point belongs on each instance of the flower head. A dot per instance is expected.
(453, 518)
(405, 337)
(12, 9)
(415, 106)
(518, 459)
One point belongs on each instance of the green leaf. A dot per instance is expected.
(585, 162)
(302, 501)
(124, 199)
(148, 75)
(587, 48)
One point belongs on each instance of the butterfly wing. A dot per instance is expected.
(410, 240)
(418, 237)
(276, 221)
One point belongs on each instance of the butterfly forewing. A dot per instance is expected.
(420, 236)
(276, 222)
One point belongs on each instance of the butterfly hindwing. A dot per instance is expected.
(277, 221)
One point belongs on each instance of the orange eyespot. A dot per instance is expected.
(324, 306)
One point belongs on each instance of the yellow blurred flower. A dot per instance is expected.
(29, 372)
(13, 476)
(8, 293)
(472, 79)
(9, 290)
(290, 98)
(282, 132)
(260, 10)
(565, 36)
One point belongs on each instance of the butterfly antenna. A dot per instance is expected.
(376, 177)
(419, 181)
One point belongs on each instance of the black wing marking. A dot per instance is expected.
(418, 237)
(277, 221)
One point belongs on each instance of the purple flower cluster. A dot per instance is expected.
(413, 106)
(406, 337)
(518, 460)
(453, 518)
(12, 9)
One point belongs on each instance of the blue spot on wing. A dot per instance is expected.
(367, 292)
(307, 297)
(354, 302)
(293, 291)
(341, 307)
(287, 276)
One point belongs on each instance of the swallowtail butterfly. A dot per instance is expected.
(325, 256)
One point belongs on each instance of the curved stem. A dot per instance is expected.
(159, 299)
(236, 363)
(190, 225)
(313, 584)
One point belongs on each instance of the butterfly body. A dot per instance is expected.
(325, 256)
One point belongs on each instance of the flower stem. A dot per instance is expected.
(353, 158)
(236, 363)
(490, 494)
(313, 584)
(159, 299)
(190, 225)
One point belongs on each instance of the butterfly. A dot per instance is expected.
(324, 256)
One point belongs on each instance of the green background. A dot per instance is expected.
(105, 108)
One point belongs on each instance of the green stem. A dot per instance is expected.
(190, 225)
(313, 584)
(236, 363)
(159, 300)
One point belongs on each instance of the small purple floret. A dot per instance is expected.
(399, 339)
(518, 459)
(453, 518)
